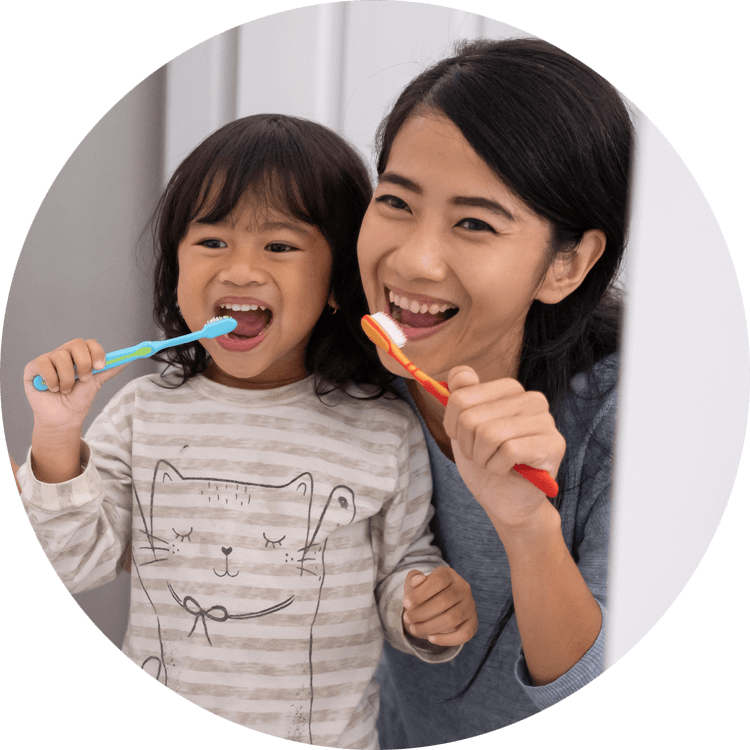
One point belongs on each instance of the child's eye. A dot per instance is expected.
(392, 201)
(280, 247)
(475, 225)
(213, 244)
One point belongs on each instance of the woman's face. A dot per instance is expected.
(450, 253)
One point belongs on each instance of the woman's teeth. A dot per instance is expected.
(419, 307)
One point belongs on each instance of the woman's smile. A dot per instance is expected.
(450, 253)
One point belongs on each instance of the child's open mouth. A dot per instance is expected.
(253, 320)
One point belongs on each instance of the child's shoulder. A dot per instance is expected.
(358, 401)
(153, 387)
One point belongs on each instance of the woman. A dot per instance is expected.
(494, 236)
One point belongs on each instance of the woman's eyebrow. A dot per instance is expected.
(397, 179)
(459, 200)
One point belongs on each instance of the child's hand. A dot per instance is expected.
(67, 402)
(439, 607)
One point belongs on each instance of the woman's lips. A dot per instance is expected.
(418, 323)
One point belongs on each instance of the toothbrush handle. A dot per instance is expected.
(538, 477)
(113, 359)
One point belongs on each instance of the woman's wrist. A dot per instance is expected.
(538, 531)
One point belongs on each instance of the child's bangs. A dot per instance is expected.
(265, 188)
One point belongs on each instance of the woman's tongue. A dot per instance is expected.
(420, 320)
(250, 323)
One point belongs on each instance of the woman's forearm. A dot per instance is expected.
(558, 617)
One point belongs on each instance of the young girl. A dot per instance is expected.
(277, 508)
(493, 237)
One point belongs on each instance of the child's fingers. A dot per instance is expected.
(60, 367)
(418, 588)
(442, 614)
(464, 633)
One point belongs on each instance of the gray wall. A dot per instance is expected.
(78, 276)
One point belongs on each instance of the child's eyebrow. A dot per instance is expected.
(291, 225)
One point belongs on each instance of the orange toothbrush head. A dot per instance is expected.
(383, 331)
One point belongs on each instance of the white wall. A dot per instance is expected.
(342, 64)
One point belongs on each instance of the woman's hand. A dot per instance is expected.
(439, 607)
(494, 426)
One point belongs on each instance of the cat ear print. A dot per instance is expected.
(303, 483)
(165, 472)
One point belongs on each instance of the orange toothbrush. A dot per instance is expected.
(386, 334)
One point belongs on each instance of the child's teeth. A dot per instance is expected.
(243, 308)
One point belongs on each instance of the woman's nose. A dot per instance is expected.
(420, 256)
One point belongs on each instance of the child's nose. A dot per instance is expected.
(244, 268)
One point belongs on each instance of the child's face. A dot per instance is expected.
(276, 270)
(450, 241)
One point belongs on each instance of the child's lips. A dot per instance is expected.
(253, 320)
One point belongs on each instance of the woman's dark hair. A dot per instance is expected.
(301, 168)
(560, 137)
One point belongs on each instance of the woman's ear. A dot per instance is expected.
(567, 272)
(332, 304)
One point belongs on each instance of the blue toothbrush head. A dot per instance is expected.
(218, 327)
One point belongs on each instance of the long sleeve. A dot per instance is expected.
(402, 541)
(84, 524)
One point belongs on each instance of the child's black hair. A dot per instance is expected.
(303, 169)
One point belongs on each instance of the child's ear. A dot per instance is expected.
(567, 272)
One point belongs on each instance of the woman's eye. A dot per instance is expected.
(392, 201)
(475, 225)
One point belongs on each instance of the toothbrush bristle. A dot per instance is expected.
(391, 327)
(219, 326)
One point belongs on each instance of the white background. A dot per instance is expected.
(341, 64)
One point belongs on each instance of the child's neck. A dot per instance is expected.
(215, 373)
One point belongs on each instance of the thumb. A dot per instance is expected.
(461, 377)
(413, 579)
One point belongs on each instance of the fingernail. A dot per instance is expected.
(431, 638)
(416, 580)
(98, 365)
(406, 619)
(407, 603)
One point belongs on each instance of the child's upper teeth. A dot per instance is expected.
(418, 307)
(242, 308)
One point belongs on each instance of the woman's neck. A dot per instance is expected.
(432, 412)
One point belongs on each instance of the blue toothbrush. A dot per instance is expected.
(214, 328)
